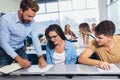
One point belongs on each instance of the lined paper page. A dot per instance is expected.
(113, 69)
(36, 68)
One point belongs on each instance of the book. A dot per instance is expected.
(10, 68)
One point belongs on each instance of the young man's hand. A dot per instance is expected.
(104, 65)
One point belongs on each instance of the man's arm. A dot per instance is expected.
(24, 63)
(5, 37)
(85, 59)
(4, 42)
(37, 45)
(42, 63)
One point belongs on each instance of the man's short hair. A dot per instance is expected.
(105, 27)
(26, 4)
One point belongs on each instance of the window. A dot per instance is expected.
(44, 20)
(65, 5)
(74, 18)
(78, 4)
(42, 8)
(63, 12)
(108, 2)
(52, 7)
(92, 3)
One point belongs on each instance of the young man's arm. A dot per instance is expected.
(85, 59)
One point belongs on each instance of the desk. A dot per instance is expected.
(58, 72)
(77, 69)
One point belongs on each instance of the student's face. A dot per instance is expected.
(54, 37)
(82, 30)
(27, 16)
(68, 27)
(93, 25)
(102, 39)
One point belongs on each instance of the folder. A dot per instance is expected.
(10, 68)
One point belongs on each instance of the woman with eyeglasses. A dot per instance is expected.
(59, 50)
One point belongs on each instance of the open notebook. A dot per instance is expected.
(113, 69)
(36, 68)
(10, 68)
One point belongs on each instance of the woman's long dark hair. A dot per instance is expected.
(58, 30)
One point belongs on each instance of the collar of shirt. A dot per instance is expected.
(17, 18)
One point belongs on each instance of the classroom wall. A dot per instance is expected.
(102, 9)
(9, 5)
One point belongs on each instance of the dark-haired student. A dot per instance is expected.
(106, 45)
(59, 50)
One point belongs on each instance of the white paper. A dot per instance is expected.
(36, 68)
(10, 68)
(113, 69)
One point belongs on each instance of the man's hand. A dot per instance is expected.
(118, 64)
(104, 65)
(23, 62)
(41, 61)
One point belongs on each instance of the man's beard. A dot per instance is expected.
(24, 21)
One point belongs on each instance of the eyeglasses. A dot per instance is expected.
(52, 37)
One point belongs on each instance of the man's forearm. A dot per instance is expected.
(88, 61)
(18, 58)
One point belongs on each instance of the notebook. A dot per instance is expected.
(10, 68)
(113, 69)
(36, 68)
